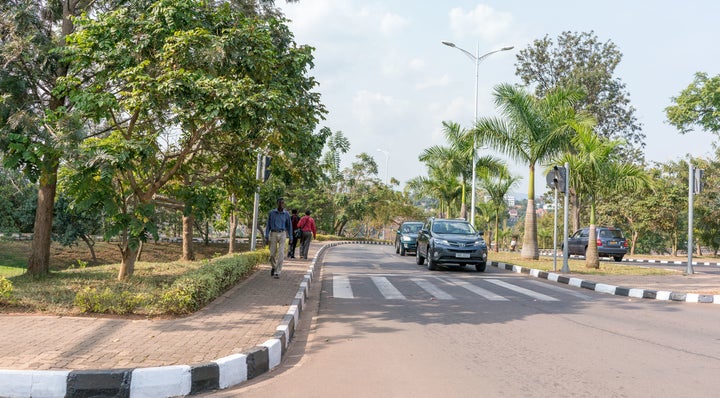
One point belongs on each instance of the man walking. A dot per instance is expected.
(277, 229)
(307, 225)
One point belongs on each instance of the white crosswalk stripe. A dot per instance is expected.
(443, 288)
(387, 289)
(341, 287)
(478, 290)
(432, 289)
(522, 290)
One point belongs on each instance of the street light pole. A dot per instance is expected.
(477, 58)
(387, 165)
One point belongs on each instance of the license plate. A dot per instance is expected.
(462, 255)
(612, 242)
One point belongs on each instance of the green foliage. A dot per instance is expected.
(198, 288)
(6, 289)
(698, 105)
(580, 59)
(109, 301)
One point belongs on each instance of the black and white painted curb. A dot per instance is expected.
(611, 289)
(167, 381)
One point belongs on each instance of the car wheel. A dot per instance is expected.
(402, 250)
(419, 260)
(618, 258)
(431, 265)
(480, 267)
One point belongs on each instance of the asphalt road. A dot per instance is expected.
(386, 327)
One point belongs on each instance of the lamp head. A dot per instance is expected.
(448, 43)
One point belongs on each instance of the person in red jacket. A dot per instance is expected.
(307, 226)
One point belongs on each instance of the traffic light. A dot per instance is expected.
(266, 167)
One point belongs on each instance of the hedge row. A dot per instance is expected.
(187, 294)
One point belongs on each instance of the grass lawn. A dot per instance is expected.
(545, 263)
(71, 272)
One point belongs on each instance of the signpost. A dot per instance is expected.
(556, 180)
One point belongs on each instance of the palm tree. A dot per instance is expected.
(497, 187)
(596, 171)
(456, 158)
(533, 130)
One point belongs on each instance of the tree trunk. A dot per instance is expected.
(127, 268)
(188, 253)
(91, 245)
(495, 234)
(591, 254)
(231, 232)
(39, 261)
(575, 206)
(140, 251)
(530, 243)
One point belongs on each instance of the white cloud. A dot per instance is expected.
(368, 106)
(483, 22)
(390, 24)
(432, 82)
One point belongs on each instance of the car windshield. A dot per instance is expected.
(452, 227)
(411, 228)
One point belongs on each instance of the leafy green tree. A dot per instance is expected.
(582, 60)
(37, 122)
(707, 206)
(698, 105)
(18, 197)
(71, 225)
(171, 77)
(531, 130)
(597, 172)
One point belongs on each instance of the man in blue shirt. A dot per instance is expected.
(279, 226)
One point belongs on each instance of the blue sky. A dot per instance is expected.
(388, 82)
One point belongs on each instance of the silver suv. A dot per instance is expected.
(449, 241)
(610, 242)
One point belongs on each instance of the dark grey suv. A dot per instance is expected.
(450, 241)
(610, 242)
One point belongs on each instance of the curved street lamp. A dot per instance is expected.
(476, 58)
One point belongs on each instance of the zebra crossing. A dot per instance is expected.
(400, 287)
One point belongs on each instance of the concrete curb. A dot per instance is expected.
(610, 289)
(168, 381)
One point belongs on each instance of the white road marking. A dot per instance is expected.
(564, 290)
(341, 287)
(478, 290)
(387, 289)
(432, 289)
(522, 290)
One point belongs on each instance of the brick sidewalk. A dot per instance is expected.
(243, 317)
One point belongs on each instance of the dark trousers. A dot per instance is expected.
(305, 246)
(293, 245)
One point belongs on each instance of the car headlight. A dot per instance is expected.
(406, 239)
(442, 242)
(480, 242)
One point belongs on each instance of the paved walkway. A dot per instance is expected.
(245, 316)
(230, 341)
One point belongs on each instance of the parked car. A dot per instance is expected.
(450, 241)
(406, 237)
(610, 242)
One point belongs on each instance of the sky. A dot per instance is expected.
(388, 82)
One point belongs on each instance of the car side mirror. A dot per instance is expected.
(481, 233)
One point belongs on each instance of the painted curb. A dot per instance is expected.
(611, 289)
(168, 381)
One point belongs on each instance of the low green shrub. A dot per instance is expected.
(199, 287)
(109, 301)
(6, 288)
